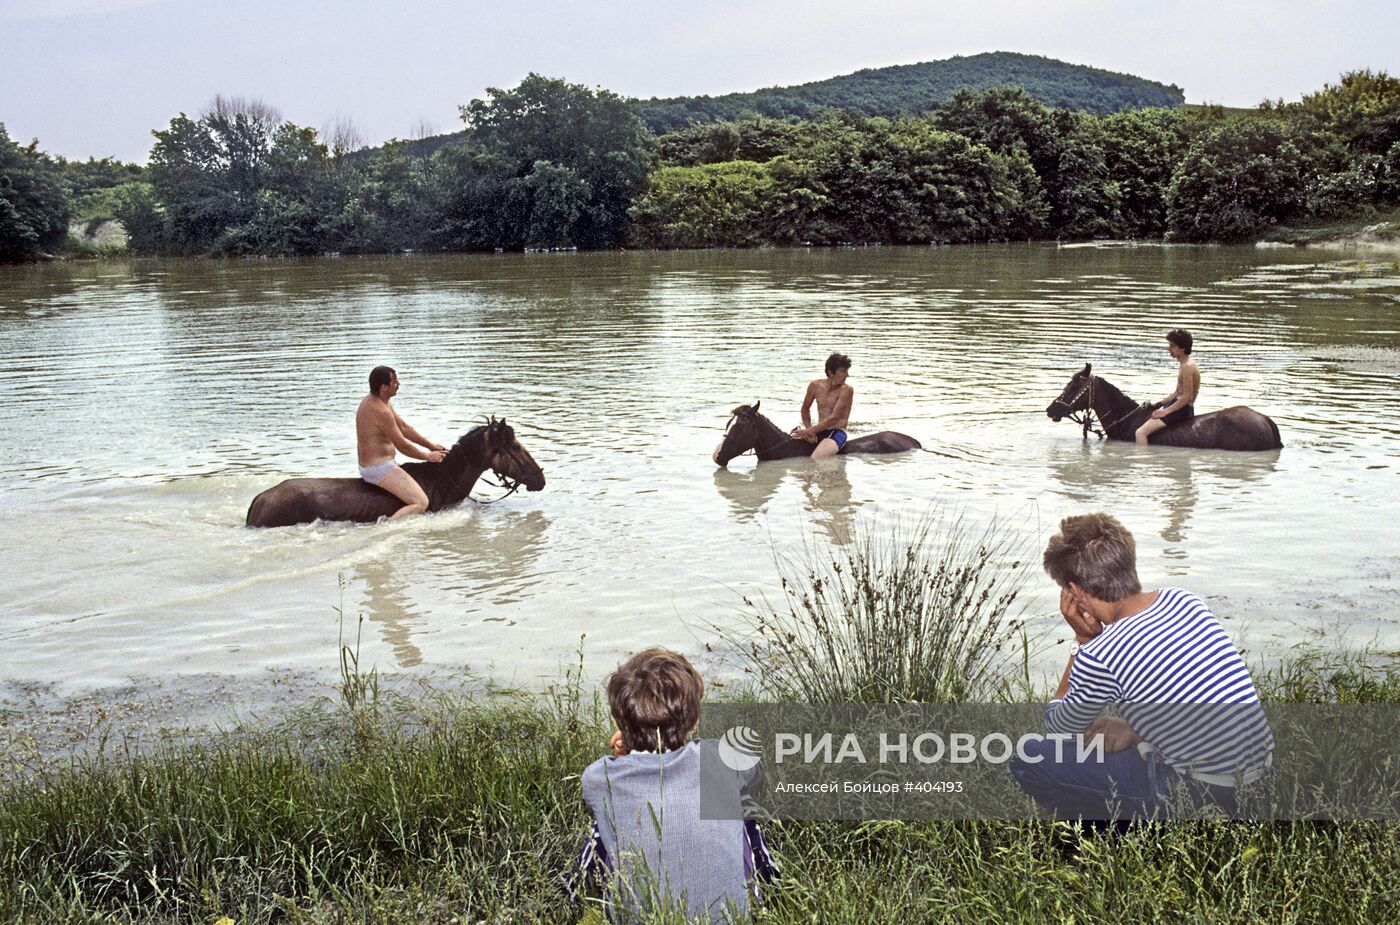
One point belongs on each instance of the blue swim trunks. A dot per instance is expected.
(838, 435)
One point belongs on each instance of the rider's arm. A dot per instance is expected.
(840, 412)
(409, 432)
(807, 400)
(389, 423)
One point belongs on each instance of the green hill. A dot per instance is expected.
(912, 88)
(902, 88)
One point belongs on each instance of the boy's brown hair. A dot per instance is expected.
(654, 697)
(1097, 553)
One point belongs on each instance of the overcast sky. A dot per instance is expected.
(94, 77)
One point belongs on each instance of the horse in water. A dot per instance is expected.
(1237, 428)
(491, 446)
(749, 430)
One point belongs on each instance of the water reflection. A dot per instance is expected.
(825, 485)
(387, 602)
(486, 562)
(1100, 475)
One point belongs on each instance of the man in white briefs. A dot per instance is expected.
(380, 431)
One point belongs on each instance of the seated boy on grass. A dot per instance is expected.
(655, 851)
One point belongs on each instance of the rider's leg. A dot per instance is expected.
(402, 486)
(1149, 427)
(826, 449)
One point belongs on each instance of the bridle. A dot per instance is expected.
(505, 482)
(1086, 418)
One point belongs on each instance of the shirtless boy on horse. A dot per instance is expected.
(833, 399)
(1179, 407)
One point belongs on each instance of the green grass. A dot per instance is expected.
(1341, 229)
(448, 807)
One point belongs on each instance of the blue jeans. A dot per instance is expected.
(1125, 785)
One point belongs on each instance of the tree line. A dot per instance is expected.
(550, 164)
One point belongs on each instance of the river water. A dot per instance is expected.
(147, 402)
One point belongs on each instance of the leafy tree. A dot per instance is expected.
(394, 201)
(558, 197)
(34, 205)
(239, 181)
(592, 134)
(1363, 109)
(1066, 150)
(137, 208)
(1236, 179)
(1141, 152)
(705, 206)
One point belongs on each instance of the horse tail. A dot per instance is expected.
(1278, 440)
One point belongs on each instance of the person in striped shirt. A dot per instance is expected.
(1185, 717)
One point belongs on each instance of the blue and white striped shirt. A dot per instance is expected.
(1174, 675)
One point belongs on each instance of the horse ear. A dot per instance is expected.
(756, 404)
(1087, 368)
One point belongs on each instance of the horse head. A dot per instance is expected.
(1074, 397)
(506, 457)
(741, 434)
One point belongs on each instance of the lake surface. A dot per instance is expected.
(148, 402)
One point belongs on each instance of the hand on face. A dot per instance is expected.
(1085, 625)
(615, 744)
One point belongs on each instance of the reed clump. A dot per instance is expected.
(923, 612)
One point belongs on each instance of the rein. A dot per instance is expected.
(505, 482)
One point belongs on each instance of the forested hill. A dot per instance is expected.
(913, 88)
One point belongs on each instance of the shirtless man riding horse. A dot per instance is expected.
(1179, 407)
(833, 399)
(379, 431)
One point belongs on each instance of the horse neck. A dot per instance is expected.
(457, 473)
(770, 436)
(1113, 407)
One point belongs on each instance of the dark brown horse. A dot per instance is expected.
(491, 446)
(749, 430)
(1237, 428)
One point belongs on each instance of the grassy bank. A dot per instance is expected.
(456, 808)
(1377, 229)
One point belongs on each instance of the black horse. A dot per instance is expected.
(491, 446)
(1237, 428)
(749, 430)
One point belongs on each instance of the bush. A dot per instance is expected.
(924, 614)
(34, 206)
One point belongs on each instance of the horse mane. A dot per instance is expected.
(1113, 392)
(1122, 406)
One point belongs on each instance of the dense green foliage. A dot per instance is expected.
(550, 164)
(841, 180)
(34, 204)
(1199, 175)
(915, 88)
